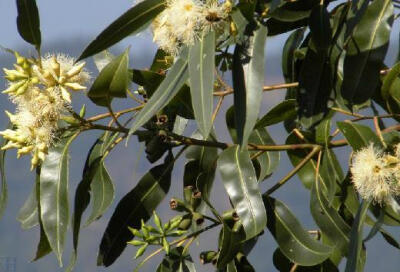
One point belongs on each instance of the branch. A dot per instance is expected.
(293, 172)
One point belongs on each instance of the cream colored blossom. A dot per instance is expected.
(40, 106)
(60, 71)
(374, 174)
(182, 22)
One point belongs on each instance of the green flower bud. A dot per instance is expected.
(157, 221)
(141, 250)
(136, 243)
(166, 245)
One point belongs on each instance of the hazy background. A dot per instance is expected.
(67, 27)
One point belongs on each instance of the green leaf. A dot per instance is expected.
(102, 189)
(43, 248)
(54, 195)
(3, 185)
(276, 27)
(293, 240)
(230, 244)
(28, 214)
(248, 82)
(102, 195)
(366, 51)
(102, 59)
(329, 220)
(240, 181)
(200, 169)
(201, 77)
(28, 22)
(127, 24)
(112, 81)
(167, 90)
(283, 264)
(355, 259)
(320, 28)
(135, 206)
(358, 136)
(389, 80)
(286, 110)
(177, 261)
(268, 162)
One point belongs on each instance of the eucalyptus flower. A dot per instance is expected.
(182, 22)
(375, 174)
(39, 89)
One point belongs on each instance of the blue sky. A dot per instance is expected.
(68, 26)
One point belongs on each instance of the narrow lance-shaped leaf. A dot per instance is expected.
(54, 195)
(112, 81)
(3, 183)
(201, 77)
(293, 240)
(328, 219)
(284, 111)
(248, 81)
(355, 259)
(240, 181)
(43, 247)
(167, 90)
(268, 161)
(358, 136)
(102, 187)
(138, 204)
(28, 22)
(28, 214)
(93, 166)
(127, 24)
(366, 51)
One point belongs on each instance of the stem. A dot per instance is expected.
(117, 114)
(293, 172)
(113, 116)
(265, 88)
(379, 132)
(217, 108)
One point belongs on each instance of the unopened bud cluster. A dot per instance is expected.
(156, 235)
(40, 91)
(182, 21)
(375, 174)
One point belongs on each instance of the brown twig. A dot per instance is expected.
(293, 172)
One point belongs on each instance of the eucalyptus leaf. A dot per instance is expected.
(54, 195)
(135, 206)
(168, 89)
(240, 181)
(112, 81)
(28, 22)
(293, 240)
(284, 111)
(366, 51)
(358, 136)
(355, 260)
(3, 185)
(248, 82)
(28, 214)
(127, 24)
(201, 77)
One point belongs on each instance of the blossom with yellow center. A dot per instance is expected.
(40, 103)
(374, 174)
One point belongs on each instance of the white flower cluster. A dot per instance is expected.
(182, 21)
(40, 91)
(375, 174)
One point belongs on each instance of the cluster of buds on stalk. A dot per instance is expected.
(156, 235)
(40, 90)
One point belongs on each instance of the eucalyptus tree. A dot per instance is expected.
(333, 66)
